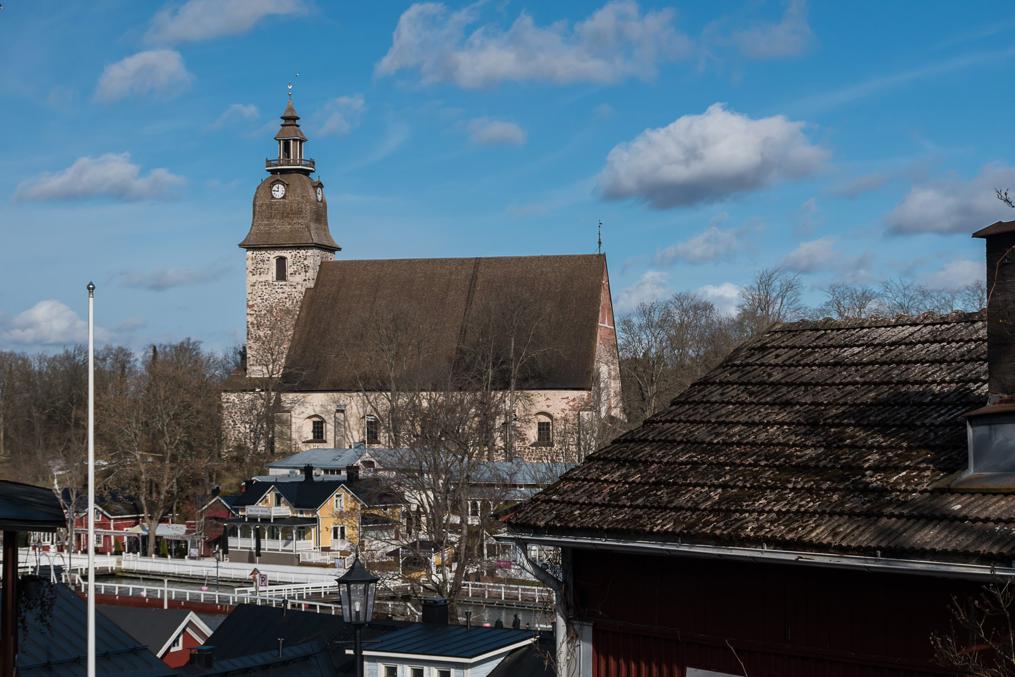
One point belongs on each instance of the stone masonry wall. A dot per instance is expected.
(272, 306)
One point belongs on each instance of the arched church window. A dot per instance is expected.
(544, 430)
(281, 269)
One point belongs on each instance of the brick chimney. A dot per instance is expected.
(1000, 239)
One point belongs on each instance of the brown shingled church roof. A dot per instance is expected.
(441, 315)
(830, 437)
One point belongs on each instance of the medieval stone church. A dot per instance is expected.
(329, 340)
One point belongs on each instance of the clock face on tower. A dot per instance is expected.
(278, 191)
(320, 193)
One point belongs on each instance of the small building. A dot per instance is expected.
(119, 524)
(211, 523)
(170, 634)
(823, 502)
(433, 650)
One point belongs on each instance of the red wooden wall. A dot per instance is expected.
(652, 616)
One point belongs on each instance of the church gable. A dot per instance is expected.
(425, 319)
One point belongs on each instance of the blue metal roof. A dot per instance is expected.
(320, 458)
(448, 641)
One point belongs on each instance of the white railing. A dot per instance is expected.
(166, 594)
(271, 544)
(322, 557)
(273, 511)
(234, 571)
(297, 591)
(507, 593)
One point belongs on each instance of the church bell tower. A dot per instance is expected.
(288, 241)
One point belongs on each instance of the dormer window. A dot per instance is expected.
(281, 269)
(990, 435)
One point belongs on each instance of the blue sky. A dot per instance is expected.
(845, 141)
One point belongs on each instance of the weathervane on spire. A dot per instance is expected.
(599, 241)
(292, 83)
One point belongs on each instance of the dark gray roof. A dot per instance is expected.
(53, 642)
(442, 315)
(452, 641)
(24, 507)
(309, 659)
(152, 626)
(836, 437)
(252, 629)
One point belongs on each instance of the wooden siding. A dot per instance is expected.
(779, 620)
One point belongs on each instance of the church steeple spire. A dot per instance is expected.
(290, 145)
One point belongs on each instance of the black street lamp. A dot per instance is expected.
(357, 588)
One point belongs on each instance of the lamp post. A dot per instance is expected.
(357, 588)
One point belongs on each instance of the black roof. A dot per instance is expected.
(24, 507)
(252, 629)
(306, 494)
(52, 641)
(298, 660)
(152, 626)
(455, 641)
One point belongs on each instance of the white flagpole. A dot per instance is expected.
(91, 480)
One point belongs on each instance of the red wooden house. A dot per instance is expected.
(117, 519)
(813, 506)
(211, 522)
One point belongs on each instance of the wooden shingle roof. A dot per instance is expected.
(830, 437)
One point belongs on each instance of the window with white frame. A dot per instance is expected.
(177, 643)
(98, 540)
(443, 673)
(416, 672)
(339, 502)
(337, 533)
(392, 671)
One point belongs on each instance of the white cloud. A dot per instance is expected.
(161, 279)
(957, 274)
(616, 42)
(725, 297)
(787, 37)
(111, 175)
(708, 157)
(236, 112)
(206, 19)
(712, 244)
(342, 114)
(651, 286)
(487, 132)
(159, 72)
(953, 205)
(812, 256)
(47, 323)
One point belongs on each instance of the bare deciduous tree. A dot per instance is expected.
(981, 641)
(164, 418)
